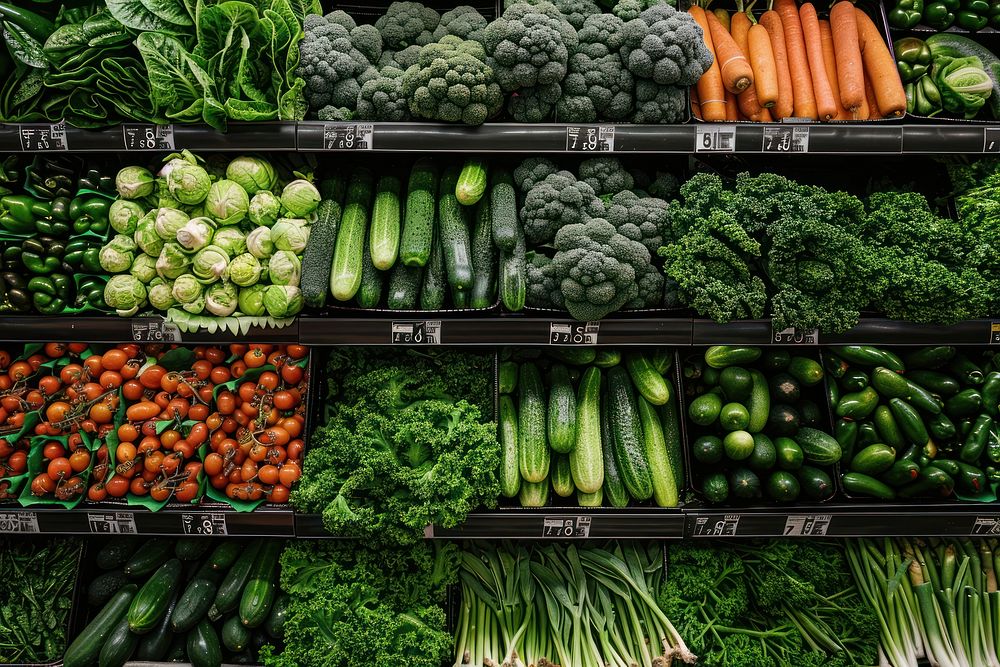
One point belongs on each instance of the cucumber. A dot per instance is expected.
(88, 644)
(855, 379)
(116, 552)
(104, 586)
(887, 428)
(532, 449)
(151, 555)
(120, 645)
(662, 359)
(935, 382)
(459, 298)
(867, 355)
(900, 473)
(744, 484)
(946, 44)
(859, 404)
(590, 499)
(203, 649)
(932, 481)
(191, 548)
(784, 388)
(274, 626)
(930, 357)
(471, 183)
(317, 258)
(613, 486)
(383, 242)
(418, 222)
(705, 409)
(503, 210)
(153, 646)
(716, 488)
(647, 380)
(815, 483)
(151, 603)
(660, 468)
(370, 292)
(561, 415)
(759, 405)
(720, 356)
(909, 421)
(228, 596)
(776, 360)
(534, 494)
(484, 259)
(432, 289)
(859, 483)
(177, 651)
(508, 377)
(562, 479)
(805, 370)
(258, 593)
(626, 431)
(235, 635)
(818, 447)
(783, 486)
(454, 230)
(764, 455)
(671, 419)
(225, 554)
(514, 277)
(783, 420)
(874, 459)
(404, 287)
(195, 602)
(736, 383)
(510, 475)
(708, 449)
(574, 356)
(345, 270)
(789, 454)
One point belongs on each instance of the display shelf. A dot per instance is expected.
(870, 331)
(144, 137)
(110, 329)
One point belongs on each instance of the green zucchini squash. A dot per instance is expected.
(87, 646)
(151, 603)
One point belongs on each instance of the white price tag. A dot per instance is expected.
(573, 334)
(986, 525)
(41, 138)
(566, 526)
(720, 525)
(348, 137)
(807, 525)
(715, 138)
(213, 523)
(784, 139)
(144, 137)
(600, 139)
(19, 522)
(416, 333)
(793, 336)
(115, 523)
(155, 331)
(991, 140)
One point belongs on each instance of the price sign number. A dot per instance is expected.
(994, 333)
(991, 140)
(807, 525)
(38, 138)
(155, 331)
(715, 139)
(204, 524)
(719, 525)
(348, 137)
(115, 523)
(793, 336)
(416, 333)
(778, 139)
(142, 137)
(566, 526)
(573, 334)
(599, 139)
(986, 525)
(19, 522)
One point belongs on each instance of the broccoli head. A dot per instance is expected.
(462, 21)
(332, 113)
(601, 35)
(655, 104)
(664, 185)
(451, 82)
(407, 23)
(336, 60)
(557, 201)
(651, 289)
(533, 170)
(642, 219)
(382, 98)
(607, 175)
(529, 45)
(667, 46)
(627, 10)
(401, 60)
(534, 104)
(542, 289)
(575, 11)
(596, 88)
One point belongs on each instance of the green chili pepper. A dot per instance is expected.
(926, 97)
(906, 13)
(913, 58)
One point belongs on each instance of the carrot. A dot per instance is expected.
(830, 64)
(826, 103)
(847, 48)
(732, 108)
(765, 73)
(711, 92)
(880, 68)
(798, 63)
(695, 107)
(739, 28)
(783, 104)
(765, 116)
(723, 17)
(736, 72)
(874, 111)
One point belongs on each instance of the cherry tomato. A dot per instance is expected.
(60, 468)
(132, 390)
(255, 358)
(93, 365)
(114, 360)
(53, 450)
(202, 369)
(292, 374)
(22, 370)
(79, 460)
(125, 452)
(186, 492)
(42, 484)
(49, 384)
(284, 400)
(297, 351)
(117, 486)
(268, 381)
(139, 486)
(288, 474)
(215, 355)
(111, 379)
(152, 377)
(97, 493)
(279, 494)
(267, 474)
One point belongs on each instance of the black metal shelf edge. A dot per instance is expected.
(111, 329)
(144, 137)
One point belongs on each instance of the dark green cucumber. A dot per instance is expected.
(104, 586)
(865, 485)
(966, 369)
(805, 370)
(965, 403)
(120, 645)
(370, 292)
(818, 447)
(909, 420)
(887, 428)
(224, 555)
(613, 487)
(88, 644)
(764, 455)
(662, 359)
(900, 473)
(657, 455)
(560, 476)
(116, 552)
(671, 419)
(789, 454)
(153, 646)
(647, 380)
(514, 277)
(383, 237)
(893, 385)
(561, 415)
(855, 379)
(433, 288)
(866, 355)
(235, 635)
(932, 481)
(484, 259)
(716, 488)
(705, 409)
(942, 429)
(510, 475)
(782, 486)
(975, 443)
(404, 287)
(194, 604)
(533, 450)
(626, 429)
(191, 548)
(151, 555)
(930, 357)
(227, 598)
(317, 258)
(759, 405)
(258, 593)
(815, 483)
(607, 358)
(203, 648)
(454, 229)
(846, 433)
(873, 459)
(935, 382)
(503, 208)
(153, 600)
(275, 623)
(574, 356)
(418, 222)
(720, 356)
(859, 404)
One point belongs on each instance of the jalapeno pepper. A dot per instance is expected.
(50, 295)
(928, 97)
(906, 13)
(940, 14)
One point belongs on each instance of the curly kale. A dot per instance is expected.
(382, 98)
(529, 45)
(543, 290)
(607, 175)
(534, 104)
(451, 82)
(665, 45)
(533, 170)
(407, 23)
(979, 218)
(337, 59)
(463, 21)
(555, 202)
(642, 219)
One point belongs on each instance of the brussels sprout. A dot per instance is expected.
(168, 221)
(251, 300)
(196, 233)
(188, 183)
(282, 300)
(244, 270)
(144, 269)
(232, 240)
(123, 215)
(187, 288)
(290, 234)
(161, 296)
(172, 262)
(114, 259)
(123, 243)
(251, 173)
(221, 299)
(135, 183)
(227, 202)
(264, 208)
(284, 268)
(196, 306)
(300, 198)
(125, 294)
(210, 263)
(259, 243)
(146, 237)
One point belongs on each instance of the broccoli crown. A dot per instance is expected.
(382, 98)
(333, 113)
(543, 290)
(533, 170)
(607, 175)
(664, 185)
(667, 46)
(658, 104)
(451, 82)
(462, 21)
(605, 86)
(529, 45)
(601, 35)
(555, 202)
(336, 60)
(627, 10)
(402, 59)
(575, 11)
(642, 219)
(576, 109)
(651, 289)
(534, 104)
(407, 23)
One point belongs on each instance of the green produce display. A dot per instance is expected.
(758, 426)
(970, 15)
(916, 423)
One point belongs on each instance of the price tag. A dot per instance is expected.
(416, 333)
(715, 138)
(994, 333)
(19, 522)
(116, 523)
(986, 525)
(40, 138)
(204, 524)
(600, 139)
(348, 137)
(991, 140)
(566, 526)
(155, 331)
(793, 336)
(807, 525)
(719, 525)
(573, 334)
(142, 137)
(778, 139)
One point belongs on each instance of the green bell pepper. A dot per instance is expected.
(24, 209)
(12, 258)
(940, 14)
(61, 209)
(14, 226)
(51, 295)
(973, 15)
(83, 256)
(913, 58)
(906, 13)
(52, 228)
(994, 14)
(90, 292)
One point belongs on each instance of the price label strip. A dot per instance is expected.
(599, 139)
(991, 140)
(42, 138)
(19, 522)
(143, 137)
(715, 138)
(566, 526)
(349, 137)
(793, 336)
(986, 525)
(994, 333)
(114, 523)
(416, 333)
(807, 524)
(573, 334)
(720, 525)
(778, 139)
(153, 331)
(204, 524)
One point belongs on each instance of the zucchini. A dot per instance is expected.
(153, 646)
(275, 623)
(484, 259)
(151, 603)
(562, 479)
(383, 242)
(660, 468)
(874, 459)
(856, 482)
(867, 355)
(671, 420)
(454, 235)
(258, 593)
(151, 555)
(432, 289)
(194, 604)
(818, 447)
(510, 474)
(930, 357)
(503, 210)
(586, 462)
(626, 431)
(228, 596)
(514, 277)
(418, 220)
(404, 287)
(235, 635)
(561, 415)
(345, 270)
(116, 552)
(910, 423)
(532, 449)
(88, 644)
(471, 184)
(888, 430)
(317, 258)
(203, 649)
(225, 554)
(534, 494)
(370, 292)
(646, 378)
(191, 548)
(119, 646)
